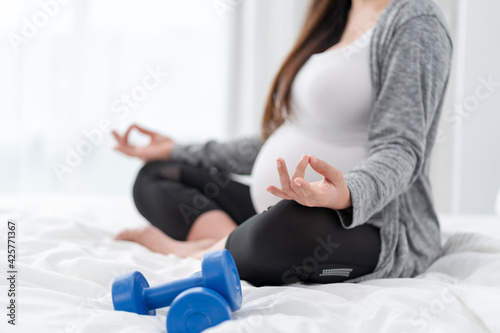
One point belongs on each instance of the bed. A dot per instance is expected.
(67, 261)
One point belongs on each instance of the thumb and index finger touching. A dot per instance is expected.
(325, 169)
(123, 140)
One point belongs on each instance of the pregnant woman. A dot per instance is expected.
(339, 174)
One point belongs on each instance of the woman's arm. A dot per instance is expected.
(414, 74)
(235, 156)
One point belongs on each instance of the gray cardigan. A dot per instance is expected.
(411, 54)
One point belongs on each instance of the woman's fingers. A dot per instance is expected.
(123, 140)
(325, 169)
(144, 131)
(283, 175)
(304, 187)
(300, 171)
(308, 193)
(116, 135)
(123, 145)
(123, 149)
(331, 194)
(125, 136)
(287, 184)
(277, 192)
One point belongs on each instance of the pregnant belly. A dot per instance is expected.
(290, 143)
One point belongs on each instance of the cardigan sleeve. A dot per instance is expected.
(413, 73)
(235, 156)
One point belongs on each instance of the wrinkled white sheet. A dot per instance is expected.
(67, 261)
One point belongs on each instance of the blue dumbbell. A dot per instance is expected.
(131, 291)
(197, 309)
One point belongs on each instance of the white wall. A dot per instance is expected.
(479, 156)
(466, 161)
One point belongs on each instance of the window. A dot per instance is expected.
(72, 69)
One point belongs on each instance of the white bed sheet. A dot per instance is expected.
(67, 261)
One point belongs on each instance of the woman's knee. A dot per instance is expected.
(296, 222)
(287, 243)
(154, 169)
(264, 246)
(150, 173)
(284, 224)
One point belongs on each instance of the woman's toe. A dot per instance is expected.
(125, 235)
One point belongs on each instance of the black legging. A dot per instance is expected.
(286, 243)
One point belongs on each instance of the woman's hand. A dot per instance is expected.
(160, 147)
(331, 192)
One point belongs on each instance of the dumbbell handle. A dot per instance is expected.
(163, 295)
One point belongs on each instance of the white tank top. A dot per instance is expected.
(332, 97)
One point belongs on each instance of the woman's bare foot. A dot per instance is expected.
(219, 245)
(156, 240)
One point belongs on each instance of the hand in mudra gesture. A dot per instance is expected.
(159, 148)
(331, 192)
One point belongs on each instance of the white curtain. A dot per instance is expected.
(73, 69)
(263, 34)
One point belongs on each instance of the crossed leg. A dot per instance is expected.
(189, 208)
(209, 229)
